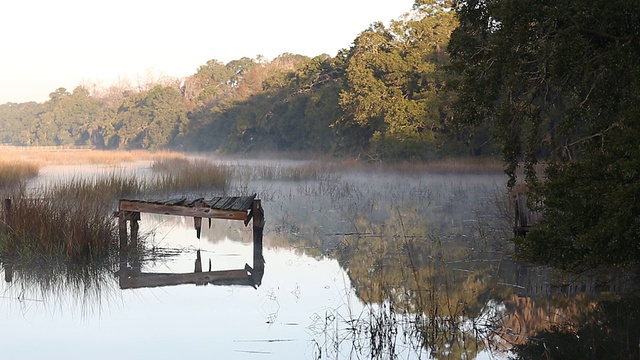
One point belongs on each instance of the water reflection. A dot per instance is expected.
(130, 275)
(607, 329)
(53, 286)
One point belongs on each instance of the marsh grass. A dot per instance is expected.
(68, 220)
(56, 226)
(445, 166)
(311, 171)
(74, 156)
(14, 174)
(187, 174)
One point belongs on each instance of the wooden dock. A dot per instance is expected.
(243, 208)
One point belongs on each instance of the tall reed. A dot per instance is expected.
(185, 174)
(14, 174)
(66, 219)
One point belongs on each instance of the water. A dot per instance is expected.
(359, 264)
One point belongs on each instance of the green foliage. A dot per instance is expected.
(393, 100)
(292, 111)
(558, 82)
(385, 97)
(151, 120)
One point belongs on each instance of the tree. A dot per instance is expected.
(76, 116)
(558, 82)
(393, 101)
(151, 120)
(18, 121)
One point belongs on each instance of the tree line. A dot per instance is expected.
(383, 98)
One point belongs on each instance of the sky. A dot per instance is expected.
(45, 45)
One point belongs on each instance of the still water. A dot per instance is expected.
(359, 264)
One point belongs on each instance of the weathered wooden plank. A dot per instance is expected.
(235, 203)
(203, 212)
(221, 277)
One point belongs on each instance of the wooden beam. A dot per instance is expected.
(195, 211)
(223, 277)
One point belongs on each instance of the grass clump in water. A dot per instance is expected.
(14, 174)
(70, 220)
(282, 172)
(185, 174)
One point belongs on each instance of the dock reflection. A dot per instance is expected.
(130, 275)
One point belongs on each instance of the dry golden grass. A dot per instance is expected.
(184, 174)
(468, 165)
(15, 173)
(58, 226)
(75, 156)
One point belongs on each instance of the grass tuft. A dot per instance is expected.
(184, 174)
(13, 175)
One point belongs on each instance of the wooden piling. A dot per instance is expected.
(133, 217)
(8, 212)
(8, 272)
(197, 224)
(198, 263)
(258, 228)
(122, 229)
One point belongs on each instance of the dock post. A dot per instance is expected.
(133, 218)
(122, 232)
(122, 229)
(8, 212)
(258, 227)
(197, 224)
(8, 272)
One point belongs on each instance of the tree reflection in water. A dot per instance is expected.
(426, 295)
(439, 281)
(610, 329)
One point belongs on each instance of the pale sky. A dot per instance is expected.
(45, 45)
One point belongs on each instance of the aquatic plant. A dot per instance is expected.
(14, 174)
(304, 171)
(189, 174)
(55, 225)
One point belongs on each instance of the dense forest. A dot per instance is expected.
(383, 98)
(552, 86)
